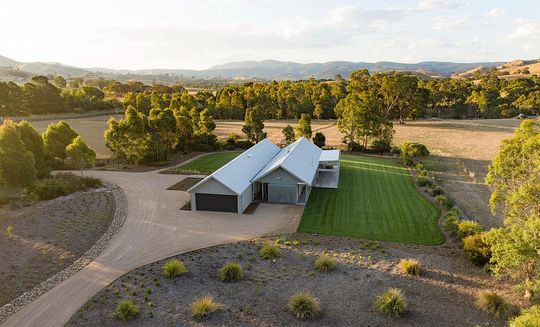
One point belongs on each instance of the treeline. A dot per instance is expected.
(42, 97)
(488, 97)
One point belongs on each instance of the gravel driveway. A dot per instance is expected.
(155, 228)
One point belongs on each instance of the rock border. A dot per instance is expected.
(120, 216)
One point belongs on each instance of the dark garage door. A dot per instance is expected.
(216, 202)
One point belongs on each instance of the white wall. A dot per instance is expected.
(245, 199)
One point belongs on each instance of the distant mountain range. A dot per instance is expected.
(266, 70)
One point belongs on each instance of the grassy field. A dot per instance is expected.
(376, 200)
(207, 164)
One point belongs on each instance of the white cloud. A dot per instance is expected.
(525, 29)
(439, 4)
(497, 12)
(448, 23)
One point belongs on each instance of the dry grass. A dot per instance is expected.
(205, 306)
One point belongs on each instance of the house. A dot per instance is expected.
(266, 173)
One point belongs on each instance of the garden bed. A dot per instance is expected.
(444, 293)
(43, 239)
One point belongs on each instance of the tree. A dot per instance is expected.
(80, 154)
(33, 142)
(304, 126)
(16, 162)
(206, 123)
(60, 82)
(254, 124)
(319, 139)
(163, 125)
(514, 176)
(288, 134)
(318, 111)
(56, 137)
(183, 127)
(411, 151)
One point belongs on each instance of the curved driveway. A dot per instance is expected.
(155, 228)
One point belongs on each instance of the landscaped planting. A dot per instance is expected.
(325, 264)
(494, 304)
(304, 306)
(127, 310)
(207, 164)
(174, 268)
(231, 272)
(48, 236)
(269, 251)
(529, 317)
(409, 267)
(376, 199)
(391, 303)
(205, 306)
(262, 296)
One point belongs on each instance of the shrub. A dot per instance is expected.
(529, 317)
(50, 188)
(269, 251)
(451, 223)
(127, 310)
(205, 306)
(419, 166)
(244, 144)
(494, 304)
(476, 249)
(424, 181)
(231, 139)
(455, 211)
(231, 272)
(410, 151)
(304, 306)
(325, 264)
(391, 303)
(409, 267)
(381, 145)
(437, 190)
(229, 147)
(444, 201)
(319, 139)
(173, 268)
(467, 228)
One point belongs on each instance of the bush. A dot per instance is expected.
(494, 304)
(451, 223)
(529, 317)
(229, 147)
(409, 267)
(419, 167)
(205, 306)
(476, 249)
(444, 201)
(231, 272)
(203, 147)
(410, 151)
(356, 147)
(391, 303)
(269, 251)
(424, 181)
(395, 150)
(455, 211)
(304, 306)
(319, 139)
(173, 268)
(231, 139)
(467, 228)
(50, 188)
(127, 310)
(437, 191)
(381, 145)
(325, 264)
(244, 144)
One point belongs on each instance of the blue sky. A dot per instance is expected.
(197, 34)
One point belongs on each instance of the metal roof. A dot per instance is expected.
(238, 173)
(329, 155)
(301, 159)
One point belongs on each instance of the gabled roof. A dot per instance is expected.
(300, 159)
(329, 155)
(236, 175)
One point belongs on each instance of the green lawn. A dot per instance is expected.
(376, 200)
(207, 164)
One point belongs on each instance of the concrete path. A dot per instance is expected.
(155, 228)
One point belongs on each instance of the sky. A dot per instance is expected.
(197, 34)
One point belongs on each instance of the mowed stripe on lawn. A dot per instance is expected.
(207, 164)
(376, 200)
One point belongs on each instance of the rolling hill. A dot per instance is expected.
(265, 69)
